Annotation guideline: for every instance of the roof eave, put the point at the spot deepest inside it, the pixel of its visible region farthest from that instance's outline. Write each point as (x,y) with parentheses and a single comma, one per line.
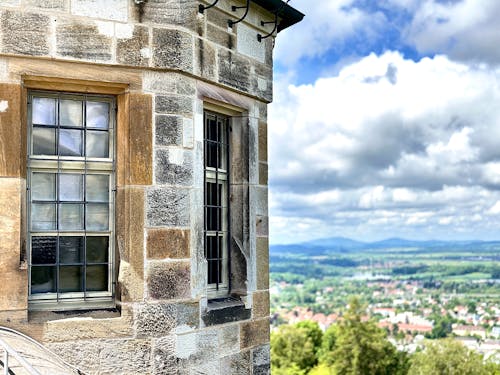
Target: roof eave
(288,15)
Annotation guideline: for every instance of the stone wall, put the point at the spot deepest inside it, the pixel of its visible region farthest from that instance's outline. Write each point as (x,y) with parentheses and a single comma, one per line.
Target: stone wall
(172,61)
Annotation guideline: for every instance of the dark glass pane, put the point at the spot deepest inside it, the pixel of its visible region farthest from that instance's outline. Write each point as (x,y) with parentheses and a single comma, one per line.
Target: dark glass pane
(213,248)
(44,141)
(97,115)
(211,154)
(213,272)
(71,250)
(70,279)
(97,249)
(43,280)
(211,131)
(44,111)
(97,278)
(43,250)
(70,142)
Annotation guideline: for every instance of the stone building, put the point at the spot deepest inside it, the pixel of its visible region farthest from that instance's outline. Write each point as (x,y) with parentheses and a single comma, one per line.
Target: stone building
(133,181)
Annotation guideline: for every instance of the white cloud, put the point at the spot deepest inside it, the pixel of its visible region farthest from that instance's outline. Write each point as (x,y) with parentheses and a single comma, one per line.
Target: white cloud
(388,147)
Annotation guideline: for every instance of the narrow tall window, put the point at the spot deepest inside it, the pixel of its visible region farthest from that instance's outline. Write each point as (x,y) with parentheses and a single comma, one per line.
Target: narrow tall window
(70,197)
(216,202)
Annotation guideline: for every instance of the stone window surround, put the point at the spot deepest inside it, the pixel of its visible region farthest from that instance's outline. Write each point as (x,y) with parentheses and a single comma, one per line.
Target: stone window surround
(130,106)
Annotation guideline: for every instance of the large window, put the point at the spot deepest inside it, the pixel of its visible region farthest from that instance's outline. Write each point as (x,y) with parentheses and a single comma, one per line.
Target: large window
(70,198)
(216,202)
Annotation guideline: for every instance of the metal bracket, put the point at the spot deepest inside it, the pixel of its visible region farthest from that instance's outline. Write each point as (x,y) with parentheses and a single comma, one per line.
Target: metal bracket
(234,8)
(202,7)
(276,13)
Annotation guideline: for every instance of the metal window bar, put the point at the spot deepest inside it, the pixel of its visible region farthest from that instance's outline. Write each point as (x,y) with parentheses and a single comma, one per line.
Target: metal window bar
(9,351)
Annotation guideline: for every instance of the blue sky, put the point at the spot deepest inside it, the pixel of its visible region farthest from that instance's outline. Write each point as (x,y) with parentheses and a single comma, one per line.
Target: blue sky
(386,121)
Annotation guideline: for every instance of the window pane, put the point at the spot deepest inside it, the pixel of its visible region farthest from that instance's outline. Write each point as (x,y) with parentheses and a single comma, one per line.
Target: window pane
(43,250)
(70,187)
(70,279)
(97,144)
(97,278)
(97,216)
(43,187)
(97,188)
(70,113)
(71,250)
(97,249)
(97,115)
(44,111)
(70,142)
(44,141)
(43,216)
(43,280)
(214,274)
(211,154)
(70,216)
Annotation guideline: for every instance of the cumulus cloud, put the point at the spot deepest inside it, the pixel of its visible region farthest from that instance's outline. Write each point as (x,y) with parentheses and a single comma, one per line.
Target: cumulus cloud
(387,147)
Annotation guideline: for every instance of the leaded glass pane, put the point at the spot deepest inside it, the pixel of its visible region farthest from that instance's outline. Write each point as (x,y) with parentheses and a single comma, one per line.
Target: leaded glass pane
(98,115)
(43,250)
(70,142)
(97,216)
(71,113)
(70,279)
(97,188)
(97,249)
(97,144)
(70,187)
(43,279)
(71,249)
(44,141)
(43,187)
(43,216)
(97,278)
(70,217)
(43,111)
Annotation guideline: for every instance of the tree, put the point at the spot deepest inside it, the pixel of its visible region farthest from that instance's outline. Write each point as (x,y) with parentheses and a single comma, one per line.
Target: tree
(449,357)
(314,332)
(362,347)
(293,350)
(328,345)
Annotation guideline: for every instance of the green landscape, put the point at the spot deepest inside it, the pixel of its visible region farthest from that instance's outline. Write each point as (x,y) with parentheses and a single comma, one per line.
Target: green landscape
(410,294)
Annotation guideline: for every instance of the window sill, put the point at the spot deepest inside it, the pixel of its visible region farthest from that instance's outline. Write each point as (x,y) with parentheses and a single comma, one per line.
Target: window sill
(95,313)
(225,310)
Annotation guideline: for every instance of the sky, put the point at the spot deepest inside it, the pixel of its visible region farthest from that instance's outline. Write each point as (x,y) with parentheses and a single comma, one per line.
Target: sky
(386,121)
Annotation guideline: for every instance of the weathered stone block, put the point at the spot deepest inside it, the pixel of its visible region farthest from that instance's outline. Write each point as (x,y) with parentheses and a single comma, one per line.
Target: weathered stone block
(221,37)
(167,243)
(174,104)
(261,360)
(237,364)
(11,2)
(25,33)
(260,304)
(229,338)
(154,320)
(217,17)
(263,174)
(262,226)
(254,333)
(115,10)
(249,45)
(234,70)
(168,207)
(174,167)
(164,360)
(171,12)
(84,40)
(172,49)
(262,81)
(84,354)
(259,195)
(170,83)
(10,131)
(169,280)
(141,139)
(60,5)
(188,133)
(132,45)
(262,259)
(205,59)
(263,141)
(233,313)
(125,357)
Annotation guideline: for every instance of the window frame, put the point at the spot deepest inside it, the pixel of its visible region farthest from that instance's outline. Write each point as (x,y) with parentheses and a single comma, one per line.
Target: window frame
(59,165)
(215,175)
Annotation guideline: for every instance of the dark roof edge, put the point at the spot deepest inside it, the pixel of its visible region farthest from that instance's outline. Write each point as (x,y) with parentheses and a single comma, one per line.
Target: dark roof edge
(289,16)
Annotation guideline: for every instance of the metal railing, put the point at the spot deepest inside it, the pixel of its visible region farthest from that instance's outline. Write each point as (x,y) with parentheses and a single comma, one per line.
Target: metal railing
(9,351)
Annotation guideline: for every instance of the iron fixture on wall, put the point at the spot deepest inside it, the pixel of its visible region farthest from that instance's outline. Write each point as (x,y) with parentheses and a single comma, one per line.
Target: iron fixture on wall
(234,8)
(202,7)
(276,13)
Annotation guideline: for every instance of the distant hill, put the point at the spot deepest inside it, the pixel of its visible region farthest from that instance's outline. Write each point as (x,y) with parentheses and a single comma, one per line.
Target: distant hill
(342,245)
